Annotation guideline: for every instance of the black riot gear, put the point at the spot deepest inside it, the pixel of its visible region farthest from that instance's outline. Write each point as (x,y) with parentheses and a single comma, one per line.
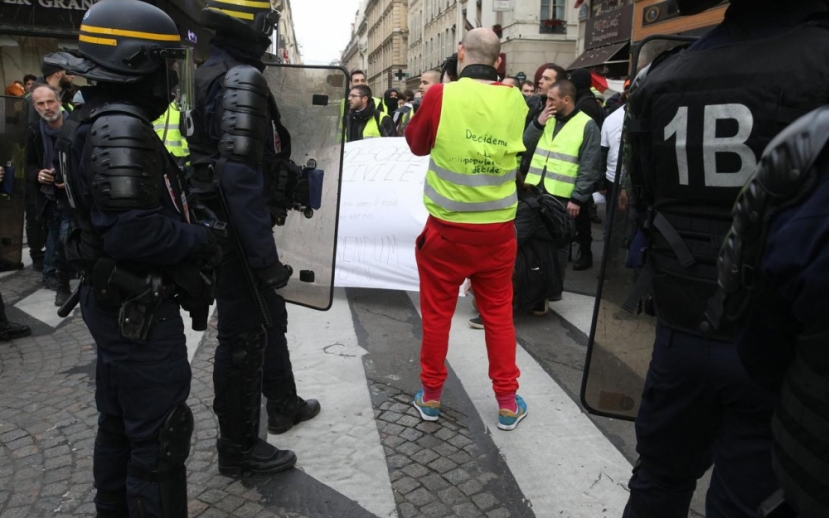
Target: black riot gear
(784,178)
(253,21)
(695,150)
(244,120)
(127,37)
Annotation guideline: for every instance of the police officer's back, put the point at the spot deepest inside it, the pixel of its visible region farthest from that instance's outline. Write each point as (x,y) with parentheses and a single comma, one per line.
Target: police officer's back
(240,158)
(140,257)
(698,124)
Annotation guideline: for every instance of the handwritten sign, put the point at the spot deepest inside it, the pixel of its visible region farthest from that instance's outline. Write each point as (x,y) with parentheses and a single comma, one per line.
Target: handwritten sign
(381,215)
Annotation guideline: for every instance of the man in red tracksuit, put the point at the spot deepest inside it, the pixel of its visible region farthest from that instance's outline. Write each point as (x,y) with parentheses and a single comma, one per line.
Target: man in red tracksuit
(472,129)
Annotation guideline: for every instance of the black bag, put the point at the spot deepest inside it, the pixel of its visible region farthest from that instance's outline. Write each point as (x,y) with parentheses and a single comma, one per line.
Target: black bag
(560,225)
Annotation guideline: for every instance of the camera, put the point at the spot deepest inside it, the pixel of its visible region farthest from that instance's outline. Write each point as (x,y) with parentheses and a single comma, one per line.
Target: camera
(450,68)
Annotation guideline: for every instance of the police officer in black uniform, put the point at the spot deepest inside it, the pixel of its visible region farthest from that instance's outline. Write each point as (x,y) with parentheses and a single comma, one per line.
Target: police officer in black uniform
(239,149)
(773,269)
(698,124)
(141,259)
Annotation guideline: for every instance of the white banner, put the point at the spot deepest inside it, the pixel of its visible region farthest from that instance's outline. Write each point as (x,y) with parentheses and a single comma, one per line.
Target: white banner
(381,215)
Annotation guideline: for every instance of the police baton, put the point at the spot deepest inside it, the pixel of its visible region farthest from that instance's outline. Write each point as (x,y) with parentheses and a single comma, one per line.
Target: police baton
(70,303)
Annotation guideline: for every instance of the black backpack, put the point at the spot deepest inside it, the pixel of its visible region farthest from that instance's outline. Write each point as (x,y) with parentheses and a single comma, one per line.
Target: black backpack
(560,225)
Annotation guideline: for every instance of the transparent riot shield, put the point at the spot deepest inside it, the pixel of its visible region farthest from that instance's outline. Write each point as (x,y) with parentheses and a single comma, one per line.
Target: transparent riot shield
(623,330)
(13,119)
(310,101)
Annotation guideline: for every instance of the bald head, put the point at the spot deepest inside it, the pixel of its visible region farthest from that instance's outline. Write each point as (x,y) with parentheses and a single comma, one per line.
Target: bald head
(479,47)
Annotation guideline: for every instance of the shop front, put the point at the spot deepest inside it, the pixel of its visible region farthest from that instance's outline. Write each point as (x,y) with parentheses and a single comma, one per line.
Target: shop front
(607,39)
(29,29)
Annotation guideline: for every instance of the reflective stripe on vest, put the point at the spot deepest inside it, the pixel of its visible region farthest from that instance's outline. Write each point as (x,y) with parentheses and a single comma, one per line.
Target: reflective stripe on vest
(175,143)
(471,177)
(558,159)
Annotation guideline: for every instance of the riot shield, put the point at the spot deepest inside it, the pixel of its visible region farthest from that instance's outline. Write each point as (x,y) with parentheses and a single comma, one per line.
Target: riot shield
(13,119)
(623,330)
(310,101)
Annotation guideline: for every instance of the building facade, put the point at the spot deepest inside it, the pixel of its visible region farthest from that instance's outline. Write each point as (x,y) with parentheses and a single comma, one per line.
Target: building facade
(387,40)
(285,44)
(355,55)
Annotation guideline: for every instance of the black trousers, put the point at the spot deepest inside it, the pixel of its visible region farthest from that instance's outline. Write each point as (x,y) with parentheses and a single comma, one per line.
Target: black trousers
(583,226)
(35,230)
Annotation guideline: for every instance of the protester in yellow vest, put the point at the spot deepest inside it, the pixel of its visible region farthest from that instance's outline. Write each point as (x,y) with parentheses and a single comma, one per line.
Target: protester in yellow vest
(168,129)
(364,120)
(472,131)
(568,158)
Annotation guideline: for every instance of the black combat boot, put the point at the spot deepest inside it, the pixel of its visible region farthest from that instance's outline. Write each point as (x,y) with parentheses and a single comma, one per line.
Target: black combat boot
(585,259)
(63,291)
(285,412)
(10,330)
(261,458)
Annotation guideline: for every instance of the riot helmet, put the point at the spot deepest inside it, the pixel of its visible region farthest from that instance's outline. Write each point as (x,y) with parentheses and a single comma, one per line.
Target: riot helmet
(249,20)
(129,42)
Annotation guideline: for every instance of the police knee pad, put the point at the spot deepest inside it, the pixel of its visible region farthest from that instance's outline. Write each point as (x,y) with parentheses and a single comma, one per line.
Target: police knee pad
(247,351)
(170,473)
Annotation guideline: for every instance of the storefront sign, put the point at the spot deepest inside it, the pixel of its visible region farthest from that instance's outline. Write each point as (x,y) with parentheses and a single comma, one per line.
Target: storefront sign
(43,16)
(501,5)
(613,27)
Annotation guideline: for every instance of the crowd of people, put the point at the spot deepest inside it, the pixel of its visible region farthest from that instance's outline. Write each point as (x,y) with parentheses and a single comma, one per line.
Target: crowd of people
(514,171)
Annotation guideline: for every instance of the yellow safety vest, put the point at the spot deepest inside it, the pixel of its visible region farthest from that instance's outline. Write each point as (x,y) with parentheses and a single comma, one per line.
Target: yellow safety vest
(558,159)
(174,141)
(371,129)
(471,177)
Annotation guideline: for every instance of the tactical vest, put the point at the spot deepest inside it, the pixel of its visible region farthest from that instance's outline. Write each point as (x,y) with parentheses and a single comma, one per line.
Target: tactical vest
(556,159)
(85,246)
(203,149)
(471,177)
(698,124)
(168,129)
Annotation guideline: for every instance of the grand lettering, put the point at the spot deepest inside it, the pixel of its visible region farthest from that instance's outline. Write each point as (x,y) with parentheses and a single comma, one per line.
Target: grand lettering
(76,5)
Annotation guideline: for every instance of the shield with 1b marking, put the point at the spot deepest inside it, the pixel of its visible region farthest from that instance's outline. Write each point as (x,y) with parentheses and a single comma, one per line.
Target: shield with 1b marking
(310,103)
(623,329)
(13,117)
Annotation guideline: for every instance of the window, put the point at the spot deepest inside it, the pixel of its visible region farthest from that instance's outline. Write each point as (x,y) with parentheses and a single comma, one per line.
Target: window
(552,18)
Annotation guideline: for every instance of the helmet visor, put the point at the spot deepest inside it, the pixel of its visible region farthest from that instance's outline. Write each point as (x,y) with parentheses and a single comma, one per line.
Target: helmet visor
(180,72)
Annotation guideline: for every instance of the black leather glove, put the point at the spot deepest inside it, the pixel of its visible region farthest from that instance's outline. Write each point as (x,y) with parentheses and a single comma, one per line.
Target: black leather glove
(302,191)
(211,253)
(275,276)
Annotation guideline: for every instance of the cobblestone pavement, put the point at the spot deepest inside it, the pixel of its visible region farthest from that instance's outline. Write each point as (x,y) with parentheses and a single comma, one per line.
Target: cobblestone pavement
(48,422)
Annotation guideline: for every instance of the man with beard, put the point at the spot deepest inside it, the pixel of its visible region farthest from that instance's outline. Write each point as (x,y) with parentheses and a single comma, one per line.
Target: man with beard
(43,168)
(364,120)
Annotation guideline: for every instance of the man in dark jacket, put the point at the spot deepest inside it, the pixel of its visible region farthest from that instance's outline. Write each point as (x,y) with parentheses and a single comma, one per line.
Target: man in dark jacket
(535,278)
(585,98)
(43,170)
(364,119)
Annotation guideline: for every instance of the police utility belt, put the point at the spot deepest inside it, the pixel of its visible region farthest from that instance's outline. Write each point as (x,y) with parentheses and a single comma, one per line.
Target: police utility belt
(139,296)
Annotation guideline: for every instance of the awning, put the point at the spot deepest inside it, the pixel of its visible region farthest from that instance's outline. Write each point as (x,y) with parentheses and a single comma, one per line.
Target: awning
(598,56)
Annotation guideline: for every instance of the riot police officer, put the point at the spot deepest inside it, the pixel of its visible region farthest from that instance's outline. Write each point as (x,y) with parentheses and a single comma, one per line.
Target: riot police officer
(698,124)
(773,272)
(239,148)
(141,259)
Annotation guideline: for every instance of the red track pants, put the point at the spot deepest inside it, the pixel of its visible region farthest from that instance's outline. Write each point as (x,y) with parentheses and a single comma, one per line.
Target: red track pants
(443,265)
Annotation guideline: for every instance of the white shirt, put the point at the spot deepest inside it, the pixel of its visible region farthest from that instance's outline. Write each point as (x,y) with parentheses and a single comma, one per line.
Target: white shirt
(611,138)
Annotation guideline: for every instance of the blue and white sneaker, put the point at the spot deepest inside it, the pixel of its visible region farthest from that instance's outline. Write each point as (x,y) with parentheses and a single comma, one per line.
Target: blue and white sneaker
(429,410)
(508,420)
